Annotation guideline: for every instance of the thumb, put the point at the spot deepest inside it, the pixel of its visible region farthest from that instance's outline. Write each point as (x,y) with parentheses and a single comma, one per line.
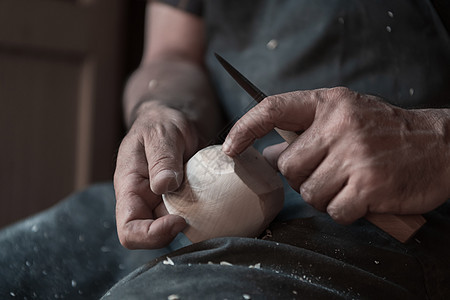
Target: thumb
(165,162)
(165,181)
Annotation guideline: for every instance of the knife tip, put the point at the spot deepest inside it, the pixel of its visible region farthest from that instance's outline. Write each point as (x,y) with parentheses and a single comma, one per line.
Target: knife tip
(220,58)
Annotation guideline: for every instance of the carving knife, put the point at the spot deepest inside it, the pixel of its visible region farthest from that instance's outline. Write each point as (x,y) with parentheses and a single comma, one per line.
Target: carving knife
(401,227)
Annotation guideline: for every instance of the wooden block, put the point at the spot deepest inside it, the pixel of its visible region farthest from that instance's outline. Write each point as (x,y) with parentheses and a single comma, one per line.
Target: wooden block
(224,196)
(401,227)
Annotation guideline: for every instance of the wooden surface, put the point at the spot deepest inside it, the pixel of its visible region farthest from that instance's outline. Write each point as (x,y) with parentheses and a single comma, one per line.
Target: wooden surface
(401,227)
(223,196)
(60,90)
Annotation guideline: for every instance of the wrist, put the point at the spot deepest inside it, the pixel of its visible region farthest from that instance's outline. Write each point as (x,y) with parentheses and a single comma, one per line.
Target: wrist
(445,121)
(143,107)
(439,121)
(155,116)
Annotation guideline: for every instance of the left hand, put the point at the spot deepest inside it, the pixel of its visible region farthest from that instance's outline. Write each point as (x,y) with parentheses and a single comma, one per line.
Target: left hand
(357,154)
(150,163)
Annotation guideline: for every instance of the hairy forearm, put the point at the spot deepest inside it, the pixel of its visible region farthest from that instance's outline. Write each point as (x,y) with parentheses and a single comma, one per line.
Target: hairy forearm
(178,84)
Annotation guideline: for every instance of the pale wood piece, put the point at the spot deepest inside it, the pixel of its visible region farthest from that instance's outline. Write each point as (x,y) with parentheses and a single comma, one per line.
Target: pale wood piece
(224,196)
(401,227)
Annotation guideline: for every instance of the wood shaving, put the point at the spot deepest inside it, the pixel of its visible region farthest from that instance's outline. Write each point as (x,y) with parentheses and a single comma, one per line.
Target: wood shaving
(268,235)
(168,261)
(255,266)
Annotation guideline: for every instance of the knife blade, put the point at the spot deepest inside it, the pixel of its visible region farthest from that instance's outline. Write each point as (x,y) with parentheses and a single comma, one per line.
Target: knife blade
(249,87)
(254,92)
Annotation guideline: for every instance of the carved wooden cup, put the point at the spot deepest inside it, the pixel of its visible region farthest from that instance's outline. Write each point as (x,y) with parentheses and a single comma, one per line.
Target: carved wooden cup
(224,196)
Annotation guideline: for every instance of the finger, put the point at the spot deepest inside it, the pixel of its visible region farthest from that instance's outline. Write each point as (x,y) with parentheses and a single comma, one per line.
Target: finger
(136,226)
(160,210)
(164,150)
(151,234)
(302,157)
(292,111)
(346,207)
(271,153)
(324,183)
(135,202)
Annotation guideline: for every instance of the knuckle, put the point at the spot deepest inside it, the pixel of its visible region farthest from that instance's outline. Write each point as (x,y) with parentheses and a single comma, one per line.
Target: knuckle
(359,159)
(273,108)
(160,125)
(284,166)
(292,167)
(124,242)
(336,216)
(154,131)
(342,109)
(274,103)
(341,94)
(124,238)
(340,91)
(127,244)
(161,161)
(307,194)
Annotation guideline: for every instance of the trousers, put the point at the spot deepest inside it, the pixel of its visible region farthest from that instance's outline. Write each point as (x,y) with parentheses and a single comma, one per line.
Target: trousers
(71,251)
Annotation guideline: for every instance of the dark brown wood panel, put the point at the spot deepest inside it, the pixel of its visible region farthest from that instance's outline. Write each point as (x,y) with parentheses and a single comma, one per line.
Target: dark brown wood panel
(60,88)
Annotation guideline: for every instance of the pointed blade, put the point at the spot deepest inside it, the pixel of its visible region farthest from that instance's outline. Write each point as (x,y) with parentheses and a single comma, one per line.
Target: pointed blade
(249,87)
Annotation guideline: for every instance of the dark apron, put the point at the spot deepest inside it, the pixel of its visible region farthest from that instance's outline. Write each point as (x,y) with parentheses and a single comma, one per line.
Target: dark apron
(398,50)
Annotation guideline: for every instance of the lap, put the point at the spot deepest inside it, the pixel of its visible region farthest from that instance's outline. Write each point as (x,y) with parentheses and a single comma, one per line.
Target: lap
(72,251)
(305,258)
(68,251)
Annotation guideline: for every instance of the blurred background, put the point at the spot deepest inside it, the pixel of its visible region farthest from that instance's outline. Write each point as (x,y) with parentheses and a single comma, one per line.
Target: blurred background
(63,65)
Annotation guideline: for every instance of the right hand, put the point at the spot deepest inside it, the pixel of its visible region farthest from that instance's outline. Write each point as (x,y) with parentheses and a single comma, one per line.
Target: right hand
(356,155)
(150,163)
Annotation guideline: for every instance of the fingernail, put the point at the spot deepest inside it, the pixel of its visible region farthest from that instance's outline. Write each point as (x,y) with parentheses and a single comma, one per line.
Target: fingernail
(165,181)
(226,146)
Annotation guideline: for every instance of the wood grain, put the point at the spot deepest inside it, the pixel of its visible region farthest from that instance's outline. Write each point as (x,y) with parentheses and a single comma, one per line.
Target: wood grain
(224,196)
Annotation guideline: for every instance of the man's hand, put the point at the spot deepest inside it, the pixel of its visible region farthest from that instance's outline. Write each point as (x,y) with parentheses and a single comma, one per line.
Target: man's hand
(357,154)
(150,163)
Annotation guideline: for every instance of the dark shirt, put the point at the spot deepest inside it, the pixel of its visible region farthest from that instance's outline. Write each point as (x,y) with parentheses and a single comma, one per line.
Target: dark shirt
(191,6)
